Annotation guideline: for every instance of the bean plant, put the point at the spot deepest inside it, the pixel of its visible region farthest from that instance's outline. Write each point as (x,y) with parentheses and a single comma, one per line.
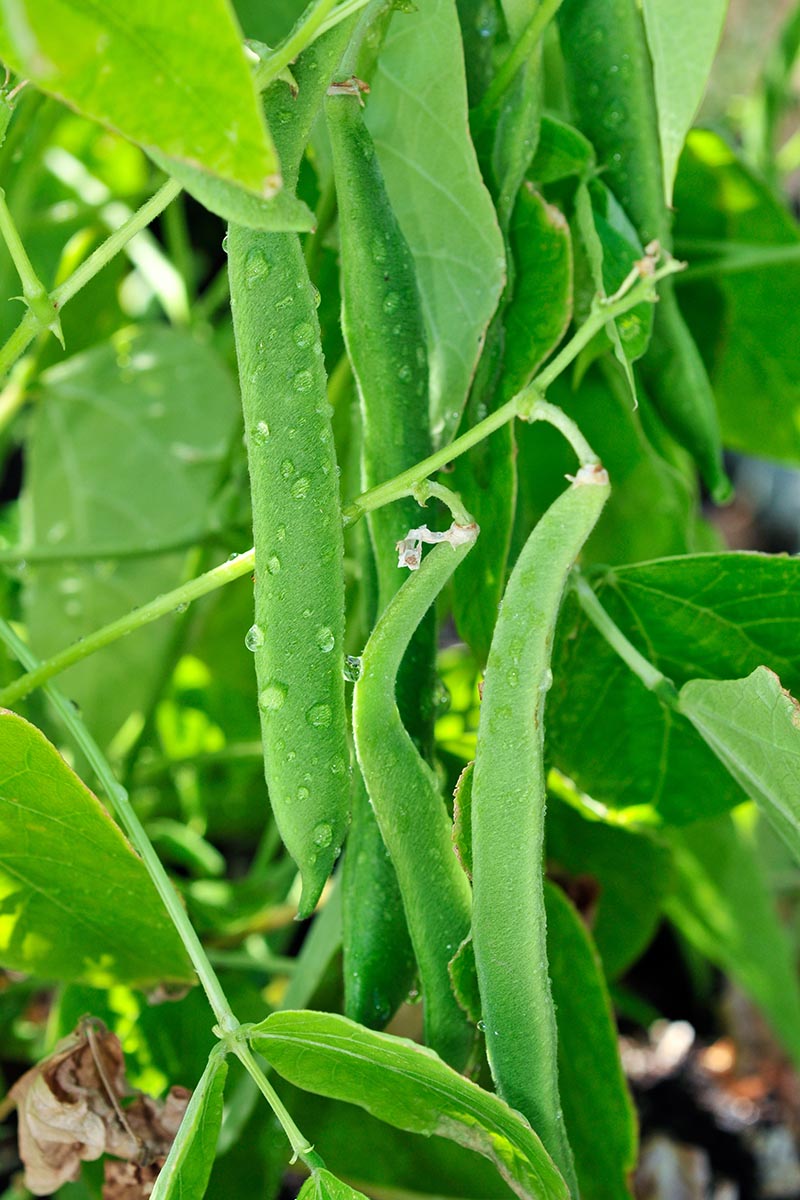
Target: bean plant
(381,376)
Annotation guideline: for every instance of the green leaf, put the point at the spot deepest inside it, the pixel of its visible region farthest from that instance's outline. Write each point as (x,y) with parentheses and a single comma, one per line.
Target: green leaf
(77,903)
(417,114)
(127,449)
(721,903)
(531,327)
(597,1106)
(172,77)
(683,38)
(188,1167)
(408,1086)
(278,214)
(706,616)
(631,870)
(753,727)
(385,1160)
(562,153)
(540,307)
(324,1186)
(744,251)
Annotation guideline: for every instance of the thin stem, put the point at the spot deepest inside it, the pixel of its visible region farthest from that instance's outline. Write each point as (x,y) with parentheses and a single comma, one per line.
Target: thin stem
(347,9)
(136,619)
(650,676)
(118,799)
(29,326)
(300,1144)
(528,404)
(520,54)
(423,491)
(733,258)
(303,34)
(31,283)
(104,253)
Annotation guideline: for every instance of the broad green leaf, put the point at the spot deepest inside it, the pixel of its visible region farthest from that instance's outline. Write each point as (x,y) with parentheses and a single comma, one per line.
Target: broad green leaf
(741,295)
(380,1158)
(703,616)
(683,38)
(721,903)
(417,114)
(77,903)
(143,70)
(753,727)
(597,1106)
(408,1086)
(126,452)
(324,1186)
(632,873)
(188,1167)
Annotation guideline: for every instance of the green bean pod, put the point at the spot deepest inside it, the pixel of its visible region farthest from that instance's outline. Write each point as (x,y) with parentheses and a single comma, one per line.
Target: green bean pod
(298,635)
(610,80)
(385,336)
(413,820)
(383,328)
(508,808)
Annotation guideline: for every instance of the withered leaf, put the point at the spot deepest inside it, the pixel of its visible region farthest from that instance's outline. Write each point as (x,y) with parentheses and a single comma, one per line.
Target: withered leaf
(70,1110)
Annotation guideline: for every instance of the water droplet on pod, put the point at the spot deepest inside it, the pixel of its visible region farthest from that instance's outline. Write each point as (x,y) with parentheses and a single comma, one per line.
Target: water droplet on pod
(254,638)
(272,697)
(319,716)
(325,639)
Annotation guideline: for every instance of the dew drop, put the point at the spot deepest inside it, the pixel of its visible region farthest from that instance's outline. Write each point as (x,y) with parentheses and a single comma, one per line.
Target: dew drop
(273,564)
(181,608)
(482,1026)
(272,697)
(303,334)
(391,302)
(317,296)
(261,433)
(225,244)
(378,250)
(300,487)
(325,639)
(303,381)
(302,794)
(512,677)
(337,765)
(287,468)
(279,305)
(256,267)
(322,835)
(352,668)
(254,638)
(319,716)
(405,373)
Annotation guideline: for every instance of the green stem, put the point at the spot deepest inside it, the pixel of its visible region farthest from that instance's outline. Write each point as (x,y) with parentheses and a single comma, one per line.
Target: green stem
(733,258)
(136,619)
(29,326)
(303,34)
(347,9)
(301,1146)
(33,290)
(519,55)
(118,799)
(650,676)
(423,492)
(527,404)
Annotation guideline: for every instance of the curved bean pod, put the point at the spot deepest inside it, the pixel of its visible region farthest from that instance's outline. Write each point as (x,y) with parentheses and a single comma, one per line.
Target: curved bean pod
(385,336)
(413,820)
(610,79)
(508,807)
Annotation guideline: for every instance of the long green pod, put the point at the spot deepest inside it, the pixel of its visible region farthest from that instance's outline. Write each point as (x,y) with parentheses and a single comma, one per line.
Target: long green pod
(610,79)
(404,794)
(298,634)
(384,332)
(508,806)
